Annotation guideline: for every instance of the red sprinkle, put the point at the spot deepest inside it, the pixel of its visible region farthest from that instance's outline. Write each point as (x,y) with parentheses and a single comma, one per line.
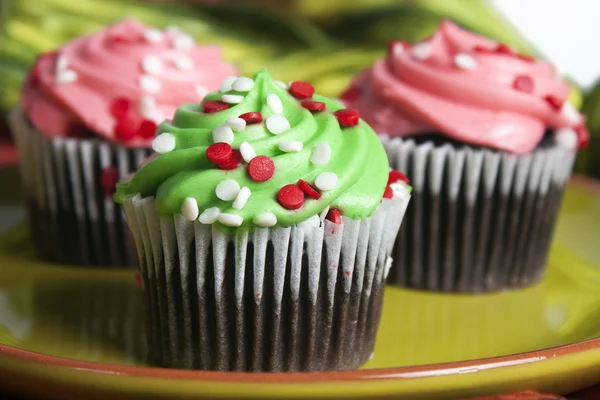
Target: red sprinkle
(554,102)
(120,107)
(34,75)
(290,196)
(504,49)
(234,161)
(313,105)
(308,190)
(334,216)
(302,90)
(108,179)
(219,153)
(396,176)
(147,129)
(481,49)
(388,193)
(215,106)
(351,94)
(347,117)
(526,57)
(126,128)
(523,83)
(583,135)
(261,168)
(251,117)
(139,280)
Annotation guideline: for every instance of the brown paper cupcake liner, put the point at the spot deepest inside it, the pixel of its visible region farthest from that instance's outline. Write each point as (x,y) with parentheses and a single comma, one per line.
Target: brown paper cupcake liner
(71,218)
(480,220)
(302,298)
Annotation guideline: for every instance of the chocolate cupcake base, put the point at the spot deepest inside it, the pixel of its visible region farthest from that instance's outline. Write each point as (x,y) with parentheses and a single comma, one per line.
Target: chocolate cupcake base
(303,298)
(480,220)
(72,217)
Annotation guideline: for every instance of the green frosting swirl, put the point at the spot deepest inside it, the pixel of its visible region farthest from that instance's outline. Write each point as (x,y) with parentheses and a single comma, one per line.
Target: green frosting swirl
(357,157)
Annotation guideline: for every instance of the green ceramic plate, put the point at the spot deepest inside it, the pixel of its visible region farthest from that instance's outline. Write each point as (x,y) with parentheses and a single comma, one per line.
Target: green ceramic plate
(79,333)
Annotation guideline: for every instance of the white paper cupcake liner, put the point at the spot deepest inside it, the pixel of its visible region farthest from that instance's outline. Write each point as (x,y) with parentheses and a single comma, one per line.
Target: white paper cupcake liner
(301,298)
(480,220)
(72,220)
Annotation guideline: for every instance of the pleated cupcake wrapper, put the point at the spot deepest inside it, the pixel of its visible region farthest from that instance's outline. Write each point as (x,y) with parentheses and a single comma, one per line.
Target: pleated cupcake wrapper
(480,220)
(72,220)
(301,298)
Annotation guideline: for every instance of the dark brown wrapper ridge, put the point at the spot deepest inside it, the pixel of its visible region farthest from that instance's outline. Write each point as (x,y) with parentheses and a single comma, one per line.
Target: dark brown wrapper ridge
(479,220)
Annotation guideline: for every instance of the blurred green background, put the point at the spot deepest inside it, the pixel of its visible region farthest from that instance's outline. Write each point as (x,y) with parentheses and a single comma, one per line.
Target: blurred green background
(323,41)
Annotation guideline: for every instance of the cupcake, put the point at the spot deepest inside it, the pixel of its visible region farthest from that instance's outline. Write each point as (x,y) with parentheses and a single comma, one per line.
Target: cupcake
(488,138)
(87,116)
(264,227)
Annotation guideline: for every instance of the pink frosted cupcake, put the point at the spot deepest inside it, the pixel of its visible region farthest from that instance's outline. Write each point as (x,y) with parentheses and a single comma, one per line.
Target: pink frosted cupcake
(87,117)
(488,138)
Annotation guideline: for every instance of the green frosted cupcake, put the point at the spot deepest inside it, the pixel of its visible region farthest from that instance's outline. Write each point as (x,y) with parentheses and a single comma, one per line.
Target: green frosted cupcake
(263,228)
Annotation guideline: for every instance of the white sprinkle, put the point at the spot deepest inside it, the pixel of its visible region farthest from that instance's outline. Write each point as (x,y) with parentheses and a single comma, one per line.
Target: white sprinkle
(183,63)
(386,268)
(570,113)
(281,84)
(321,154)
(465,61)
(201,91)
(157,117)
(209,216)
(237,124)
(247,151)
(290,147)
(277,124)
(266,219)
(243,84)
(241,198)
(323,214)
(399,188)
(222,133)
(147,106)
(230,219)
(326,181)
(61,63)
(153,35)
(567,138)
(66,76)
(189,208)
(152,65)
(163,143)
(421,51)
(173,29)
(183,41)
(227,190)
(274,103)
(232,98)
(314,221)
(397,49)
(227,83)
(150,84)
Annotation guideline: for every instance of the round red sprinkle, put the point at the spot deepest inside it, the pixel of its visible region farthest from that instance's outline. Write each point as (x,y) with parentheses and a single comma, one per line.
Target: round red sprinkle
(308,190)
(120,107)
(347,117)
(215,106)
(234,161)
(396,176)
(313,105)
(523,83)
(481,49)
(219,153)
(351,94)
(583,135)
(108,179)
(251,117)
(147,129)
(526,57)
(554,102)
(334,216)
(388,193)
(291,197)
(126,128)
(504,49)
(302,90)
(261,168)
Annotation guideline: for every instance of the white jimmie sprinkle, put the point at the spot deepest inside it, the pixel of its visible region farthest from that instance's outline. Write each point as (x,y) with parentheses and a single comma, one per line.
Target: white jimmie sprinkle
(209,216)
(570,113)
(277,124)
(321,154)
(232,98)
(421,51)
(243,84)
(465,61)
(290,147)
(227,190)
(151,64)
(227,83)
(247,151)
(237,124)
(163,143)
(281,84)
(222,133)
(153,35)
(230,219)
(266,219)
(189,208)
(201,91)
(274,103)
(326,181)
(183,63)
(150,84)
(242,198)
(66,76)
(183,41)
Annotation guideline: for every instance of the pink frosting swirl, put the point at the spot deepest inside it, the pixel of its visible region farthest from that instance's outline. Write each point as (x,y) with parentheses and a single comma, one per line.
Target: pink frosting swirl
(466,87)
(115,81)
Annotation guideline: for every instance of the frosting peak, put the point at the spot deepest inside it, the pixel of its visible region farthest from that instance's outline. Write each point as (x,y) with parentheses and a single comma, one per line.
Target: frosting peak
(466,87)
(127,73)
